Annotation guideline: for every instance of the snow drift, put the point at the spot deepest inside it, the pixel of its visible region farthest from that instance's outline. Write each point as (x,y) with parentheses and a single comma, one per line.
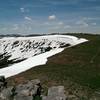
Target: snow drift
(35,50)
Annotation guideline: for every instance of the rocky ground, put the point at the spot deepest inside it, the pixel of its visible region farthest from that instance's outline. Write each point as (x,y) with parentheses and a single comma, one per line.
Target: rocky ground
(33,90)
(29,90)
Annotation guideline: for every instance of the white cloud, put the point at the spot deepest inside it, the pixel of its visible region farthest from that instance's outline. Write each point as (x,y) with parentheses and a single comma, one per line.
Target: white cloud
(22,10)
(55,27)
(52,17)
(60,23)
(27,18)
(85,24)
(4,28)
(15,27)
(82,23)
(91,18)
(29,28)
(53,23)
(94,24)
(46,23)
(67,26)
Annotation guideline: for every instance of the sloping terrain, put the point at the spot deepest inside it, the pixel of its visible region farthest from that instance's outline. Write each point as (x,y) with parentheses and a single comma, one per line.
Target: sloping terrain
(77,68)
(15,49)
(33,50)
(26,47)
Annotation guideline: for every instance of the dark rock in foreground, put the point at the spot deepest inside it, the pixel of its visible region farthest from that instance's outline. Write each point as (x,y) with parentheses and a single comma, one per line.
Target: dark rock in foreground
(55,93)
(31,90)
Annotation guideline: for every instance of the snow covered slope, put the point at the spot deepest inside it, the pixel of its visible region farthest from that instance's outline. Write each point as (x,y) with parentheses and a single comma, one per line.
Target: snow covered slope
(35,50)
(25,47)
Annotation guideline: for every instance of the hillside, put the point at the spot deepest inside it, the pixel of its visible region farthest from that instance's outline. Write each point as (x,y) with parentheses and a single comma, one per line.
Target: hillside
(77,68)
(18,54)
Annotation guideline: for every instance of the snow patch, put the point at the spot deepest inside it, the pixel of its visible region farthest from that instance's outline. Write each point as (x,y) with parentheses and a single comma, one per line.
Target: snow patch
(29,63)
(32,60)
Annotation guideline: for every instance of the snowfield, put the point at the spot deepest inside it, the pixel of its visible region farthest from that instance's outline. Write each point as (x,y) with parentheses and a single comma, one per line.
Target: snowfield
(35,50)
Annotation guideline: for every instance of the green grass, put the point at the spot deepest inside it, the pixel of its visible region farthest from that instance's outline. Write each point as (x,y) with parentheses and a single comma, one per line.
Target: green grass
(75,67)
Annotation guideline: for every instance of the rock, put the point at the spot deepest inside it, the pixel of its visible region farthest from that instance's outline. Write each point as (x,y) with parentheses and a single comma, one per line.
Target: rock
(3,83)
(24,92)
(36,81)
(28,91)
(31,87)
(2,79)
(6,94)
(21,97)
(96,95)
(55,93)
(24,96)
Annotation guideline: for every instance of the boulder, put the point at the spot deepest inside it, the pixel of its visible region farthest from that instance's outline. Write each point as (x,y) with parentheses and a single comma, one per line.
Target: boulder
(6,94)
(2,78)
(55,93)
(28,91)
(23,97)
(3,83)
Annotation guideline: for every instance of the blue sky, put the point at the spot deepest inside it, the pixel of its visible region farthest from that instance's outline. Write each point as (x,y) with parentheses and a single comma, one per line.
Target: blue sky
(47,16)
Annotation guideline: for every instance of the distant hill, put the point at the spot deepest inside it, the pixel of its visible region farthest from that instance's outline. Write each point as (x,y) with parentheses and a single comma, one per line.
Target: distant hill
(19,35)
(32,35)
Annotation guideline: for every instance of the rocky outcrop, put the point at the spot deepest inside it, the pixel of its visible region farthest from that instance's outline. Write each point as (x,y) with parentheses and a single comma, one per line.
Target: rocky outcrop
(30,90)
(55,93)
(27,91)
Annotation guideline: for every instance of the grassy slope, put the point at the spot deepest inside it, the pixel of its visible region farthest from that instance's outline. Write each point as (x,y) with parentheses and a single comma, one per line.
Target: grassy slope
(75,67)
